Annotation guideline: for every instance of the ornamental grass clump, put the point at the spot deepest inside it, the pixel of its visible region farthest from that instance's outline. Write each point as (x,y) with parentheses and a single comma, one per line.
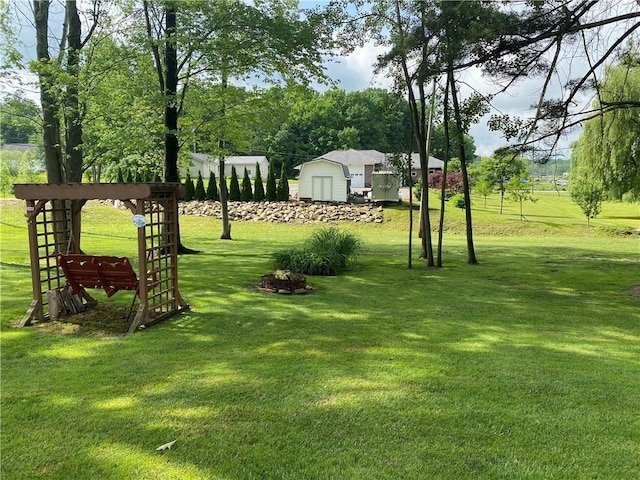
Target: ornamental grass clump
(327,251)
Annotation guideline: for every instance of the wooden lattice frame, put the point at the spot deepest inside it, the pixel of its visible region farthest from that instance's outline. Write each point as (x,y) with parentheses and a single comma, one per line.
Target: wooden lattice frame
(54,211)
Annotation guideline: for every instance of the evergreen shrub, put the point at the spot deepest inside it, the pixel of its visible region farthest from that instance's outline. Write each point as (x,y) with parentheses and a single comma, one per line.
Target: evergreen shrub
(199,193)
(234,186)
(246,195)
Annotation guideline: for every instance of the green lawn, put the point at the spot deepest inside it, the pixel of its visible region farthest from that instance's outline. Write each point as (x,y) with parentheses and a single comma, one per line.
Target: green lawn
(526,366)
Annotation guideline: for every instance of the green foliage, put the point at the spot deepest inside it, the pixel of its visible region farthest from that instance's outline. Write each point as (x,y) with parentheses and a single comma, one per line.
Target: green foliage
(199,193)
(20,120)
(498,170)
(272,192)
(282,191)
(234,186)
(189,189)
(588,195)
(119,175)
(519,191)
(316,123)
(483,187)
(246,195)
(327,251)
(212,188)
(608,151)
(258,188)
(457,201)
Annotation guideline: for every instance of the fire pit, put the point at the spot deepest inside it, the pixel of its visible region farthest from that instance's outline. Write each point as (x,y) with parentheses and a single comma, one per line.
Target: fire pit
(283,281)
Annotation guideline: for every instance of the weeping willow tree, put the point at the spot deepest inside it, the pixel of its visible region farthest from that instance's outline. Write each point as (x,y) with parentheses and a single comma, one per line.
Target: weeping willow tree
(608,151)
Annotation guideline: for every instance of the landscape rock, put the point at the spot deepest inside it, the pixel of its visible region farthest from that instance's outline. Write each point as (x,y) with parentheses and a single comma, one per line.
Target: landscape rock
(285,212)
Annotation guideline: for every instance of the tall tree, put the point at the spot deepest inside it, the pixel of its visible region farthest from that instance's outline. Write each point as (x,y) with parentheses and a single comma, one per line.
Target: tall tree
(496,171)
(231,40)
(20,119)
(608,151)
(61,86)
(50,109)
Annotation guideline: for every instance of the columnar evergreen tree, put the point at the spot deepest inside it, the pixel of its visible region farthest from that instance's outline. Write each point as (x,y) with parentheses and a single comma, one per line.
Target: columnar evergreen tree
(199,193)
(282,191)
(246,195)
(234,186)
(272,192)
(258,188)
(212,188)
(189,189)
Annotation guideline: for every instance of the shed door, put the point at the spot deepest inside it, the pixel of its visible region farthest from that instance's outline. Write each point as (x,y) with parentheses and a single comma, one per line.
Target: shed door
(322,188)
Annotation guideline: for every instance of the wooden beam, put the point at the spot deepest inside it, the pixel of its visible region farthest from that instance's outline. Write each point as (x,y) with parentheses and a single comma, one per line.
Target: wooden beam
(91,191)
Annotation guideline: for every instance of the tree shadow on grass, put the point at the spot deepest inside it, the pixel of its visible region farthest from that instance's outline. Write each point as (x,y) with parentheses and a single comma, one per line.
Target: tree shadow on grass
(452,373)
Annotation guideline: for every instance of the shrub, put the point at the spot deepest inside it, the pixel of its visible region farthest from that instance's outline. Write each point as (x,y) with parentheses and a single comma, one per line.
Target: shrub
(234,186)
(258,194)
(283,186)
(457,200)
(212,188)
(246,195)
(189,189)
(271,192)
(454,183)
(326,252)
(199,193)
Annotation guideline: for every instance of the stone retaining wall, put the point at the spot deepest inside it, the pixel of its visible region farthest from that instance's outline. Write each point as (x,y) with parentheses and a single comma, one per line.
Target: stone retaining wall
(285,212)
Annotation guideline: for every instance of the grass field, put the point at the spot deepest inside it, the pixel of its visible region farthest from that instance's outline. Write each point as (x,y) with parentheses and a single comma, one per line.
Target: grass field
(526,366)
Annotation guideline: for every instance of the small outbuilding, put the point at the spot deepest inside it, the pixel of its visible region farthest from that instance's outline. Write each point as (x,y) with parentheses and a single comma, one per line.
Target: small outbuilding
(323,180)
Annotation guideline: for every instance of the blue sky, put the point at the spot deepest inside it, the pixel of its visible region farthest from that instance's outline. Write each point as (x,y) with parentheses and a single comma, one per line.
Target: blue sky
(355,72)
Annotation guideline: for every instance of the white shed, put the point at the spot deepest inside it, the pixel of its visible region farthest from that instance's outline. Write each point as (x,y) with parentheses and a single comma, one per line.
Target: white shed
(324,180)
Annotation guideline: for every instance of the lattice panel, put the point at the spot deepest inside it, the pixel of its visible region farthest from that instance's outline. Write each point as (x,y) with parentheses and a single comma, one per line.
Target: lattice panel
(159,237)
(53,226)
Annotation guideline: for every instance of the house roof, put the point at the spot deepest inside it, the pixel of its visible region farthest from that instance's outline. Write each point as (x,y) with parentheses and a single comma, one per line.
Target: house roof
(345,169)
(355,157)
(17,147)
(231,160)
(433,162)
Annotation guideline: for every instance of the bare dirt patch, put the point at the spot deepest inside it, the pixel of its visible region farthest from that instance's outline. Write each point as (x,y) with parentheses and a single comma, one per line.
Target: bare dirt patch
(101,320)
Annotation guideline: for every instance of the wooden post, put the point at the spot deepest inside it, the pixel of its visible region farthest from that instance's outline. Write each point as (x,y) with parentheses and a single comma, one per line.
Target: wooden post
(142,314)
(35,311)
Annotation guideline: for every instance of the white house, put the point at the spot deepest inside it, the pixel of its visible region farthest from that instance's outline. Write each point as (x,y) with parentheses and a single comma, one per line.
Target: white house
(361,164)
(324,180)
(206,164)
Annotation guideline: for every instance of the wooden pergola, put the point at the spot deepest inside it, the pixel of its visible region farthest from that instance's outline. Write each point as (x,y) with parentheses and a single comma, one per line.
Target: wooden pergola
(54,221)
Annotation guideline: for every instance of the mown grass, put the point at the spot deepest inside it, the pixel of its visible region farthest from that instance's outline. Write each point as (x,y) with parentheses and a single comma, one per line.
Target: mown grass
(526,366)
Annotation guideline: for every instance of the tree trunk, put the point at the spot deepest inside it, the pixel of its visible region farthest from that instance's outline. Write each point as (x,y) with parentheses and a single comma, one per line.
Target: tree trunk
(73,133)
(447,143)
(50,118)
(171,90)
(224,196)
(226,226)
(171,108)
(471,254)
